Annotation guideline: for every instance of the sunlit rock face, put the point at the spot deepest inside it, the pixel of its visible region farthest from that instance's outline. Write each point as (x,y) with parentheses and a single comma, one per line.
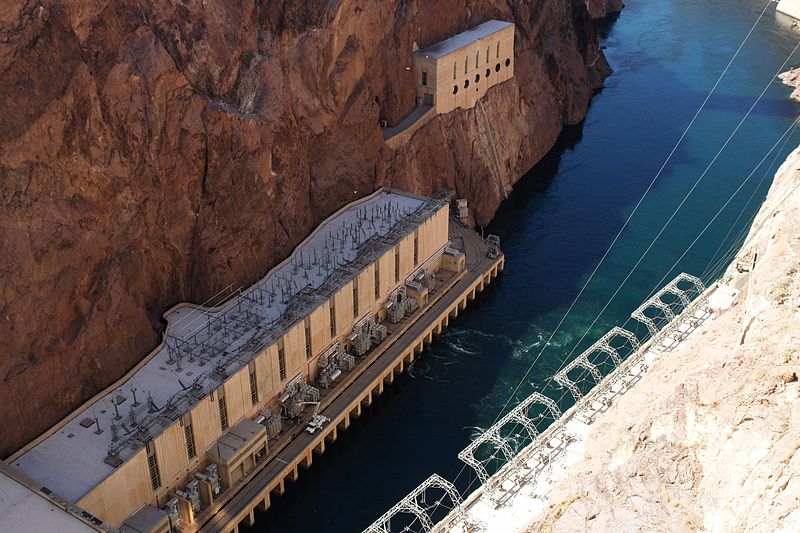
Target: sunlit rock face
(709,439)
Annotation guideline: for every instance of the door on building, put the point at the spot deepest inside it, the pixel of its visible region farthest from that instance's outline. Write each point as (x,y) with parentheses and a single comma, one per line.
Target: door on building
(427,99)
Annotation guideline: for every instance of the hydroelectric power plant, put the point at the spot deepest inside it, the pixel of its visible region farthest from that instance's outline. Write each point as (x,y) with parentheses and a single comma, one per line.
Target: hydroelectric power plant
(238,396)
(635,367)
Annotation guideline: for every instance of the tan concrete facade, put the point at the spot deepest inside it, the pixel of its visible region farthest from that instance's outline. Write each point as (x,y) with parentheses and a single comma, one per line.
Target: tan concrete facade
(458,71)
(273,480)
(129,487)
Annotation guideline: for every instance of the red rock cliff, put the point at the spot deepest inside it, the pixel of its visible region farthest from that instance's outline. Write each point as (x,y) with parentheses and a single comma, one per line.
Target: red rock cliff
(602,8)
(158,151)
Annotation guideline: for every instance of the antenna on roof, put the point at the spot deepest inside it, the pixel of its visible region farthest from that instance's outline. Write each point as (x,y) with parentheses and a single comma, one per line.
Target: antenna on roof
(173,350)
(151,405)
(98,431)
(191,351)
(116,408)
(133,391)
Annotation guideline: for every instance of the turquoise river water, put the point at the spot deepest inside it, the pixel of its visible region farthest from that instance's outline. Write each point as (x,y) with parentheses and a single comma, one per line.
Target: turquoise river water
(556,226)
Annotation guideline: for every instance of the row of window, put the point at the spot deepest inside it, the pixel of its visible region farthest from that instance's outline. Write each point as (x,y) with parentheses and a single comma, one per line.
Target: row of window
(188,433)
(477,60)
(377,288)
(478,77)
(466,63)
(356,310)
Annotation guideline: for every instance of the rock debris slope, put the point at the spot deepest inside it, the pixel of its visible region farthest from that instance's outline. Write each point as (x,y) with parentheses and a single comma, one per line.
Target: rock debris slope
(792,79)
(709,439)
(158,151)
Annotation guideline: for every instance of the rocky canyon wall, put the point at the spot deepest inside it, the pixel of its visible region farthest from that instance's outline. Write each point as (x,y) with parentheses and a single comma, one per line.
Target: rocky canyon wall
(160,151)
(709,439)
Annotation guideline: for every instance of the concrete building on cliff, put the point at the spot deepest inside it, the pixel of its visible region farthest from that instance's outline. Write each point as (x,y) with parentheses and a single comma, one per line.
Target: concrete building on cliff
(200,412)
(458,71)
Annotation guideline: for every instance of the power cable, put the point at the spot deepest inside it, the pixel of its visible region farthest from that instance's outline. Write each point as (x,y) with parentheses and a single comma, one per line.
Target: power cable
(683,201)
(636,208)
(625,224)
(782,140)
(767,171)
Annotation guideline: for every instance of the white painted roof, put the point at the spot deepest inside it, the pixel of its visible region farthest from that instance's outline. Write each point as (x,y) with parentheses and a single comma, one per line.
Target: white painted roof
(22,509)
(71,460)
(442,48)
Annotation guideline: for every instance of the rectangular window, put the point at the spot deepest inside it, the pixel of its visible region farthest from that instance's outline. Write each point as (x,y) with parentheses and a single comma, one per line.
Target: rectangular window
(333,318)
(397,263)
(251,369)
(487,54)
(466,62)
(477,58)
(281,359)
(377,281)
(355,298)
(498,49)
(223,409)
(307,327)
(152,466)
(455,69)
(188,433)
(424,78)
(416,247)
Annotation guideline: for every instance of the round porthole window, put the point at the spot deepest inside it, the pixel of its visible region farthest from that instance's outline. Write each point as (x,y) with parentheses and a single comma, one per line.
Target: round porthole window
(488,71)
(477,78)
(497,68)
(466,83)
(508,62)
(455,89)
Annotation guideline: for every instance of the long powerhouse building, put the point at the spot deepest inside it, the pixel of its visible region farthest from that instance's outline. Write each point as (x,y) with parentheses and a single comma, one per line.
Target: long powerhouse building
(132,456)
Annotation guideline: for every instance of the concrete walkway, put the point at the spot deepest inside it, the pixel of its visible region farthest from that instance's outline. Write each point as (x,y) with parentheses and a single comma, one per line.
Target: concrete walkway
(407,122)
